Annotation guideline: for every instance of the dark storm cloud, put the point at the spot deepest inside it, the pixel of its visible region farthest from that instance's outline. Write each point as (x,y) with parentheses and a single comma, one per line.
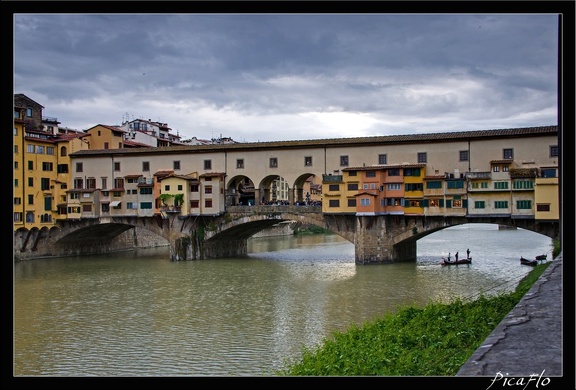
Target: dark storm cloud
(270,77)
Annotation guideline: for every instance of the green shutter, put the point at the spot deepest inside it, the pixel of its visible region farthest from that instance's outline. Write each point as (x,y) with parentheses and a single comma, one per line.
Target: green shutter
(448,203)
(441,203)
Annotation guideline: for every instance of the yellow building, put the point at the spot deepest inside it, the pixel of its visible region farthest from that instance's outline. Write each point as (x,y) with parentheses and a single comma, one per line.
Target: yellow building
(546,194)
(41,166)
(105,137)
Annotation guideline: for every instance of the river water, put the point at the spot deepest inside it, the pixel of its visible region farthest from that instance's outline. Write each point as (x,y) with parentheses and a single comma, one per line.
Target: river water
(140,314)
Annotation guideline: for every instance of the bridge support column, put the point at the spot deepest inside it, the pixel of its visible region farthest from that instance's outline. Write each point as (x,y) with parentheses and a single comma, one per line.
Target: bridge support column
(375,244)
(190,248)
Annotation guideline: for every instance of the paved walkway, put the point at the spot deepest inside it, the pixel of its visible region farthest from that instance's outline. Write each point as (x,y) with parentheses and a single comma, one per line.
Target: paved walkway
(529,339)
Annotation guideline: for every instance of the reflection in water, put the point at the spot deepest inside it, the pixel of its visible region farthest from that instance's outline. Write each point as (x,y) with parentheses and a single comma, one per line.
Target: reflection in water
(141,314)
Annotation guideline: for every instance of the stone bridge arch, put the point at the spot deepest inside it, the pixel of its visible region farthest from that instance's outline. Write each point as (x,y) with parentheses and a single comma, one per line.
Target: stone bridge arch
(92,236)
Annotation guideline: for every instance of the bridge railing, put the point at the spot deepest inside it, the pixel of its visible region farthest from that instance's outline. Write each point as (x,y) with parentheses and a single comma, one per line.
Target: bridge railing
(268,209)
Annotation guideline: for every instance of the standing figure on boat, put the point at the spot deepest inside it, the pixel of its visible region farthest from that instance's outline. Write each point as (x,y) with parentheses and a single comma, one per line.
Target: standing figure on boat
(456,256)
(468,253)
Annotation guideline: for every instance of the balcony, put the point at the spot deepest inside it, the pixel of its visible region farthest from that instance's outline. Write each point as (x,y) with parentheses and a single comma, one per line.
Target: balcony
(478,175)
(331,178)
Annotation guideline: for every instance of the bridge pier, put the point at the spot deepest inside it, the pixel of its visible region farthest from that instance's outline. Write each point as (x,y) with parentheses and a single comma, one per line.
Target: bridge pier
(191,248)
(382,240)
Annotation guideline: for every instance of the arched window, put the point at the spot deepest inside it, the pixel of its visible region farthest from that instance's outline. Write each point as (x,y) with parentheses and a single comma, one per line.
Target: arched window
(63,151)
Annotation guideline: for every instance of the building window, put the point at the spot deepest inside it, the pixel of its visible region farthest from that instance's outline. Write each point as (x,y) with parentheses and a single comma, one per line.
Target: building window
(352,186)
(194,187)
(273,162)
(508,154)
(479,204)
(106,145)
(30,165)
(463,155)
(208,203)
(382,159)
(308,161)
(30,182)
(146,191)
(207,164)
(29,112)
(352,202)
(44,184)
(176,165)
(50,150)
(30,199)
(412,172)
(365,201)
(334,203)
(543,207)
(343,161)
(146,205)
(194,204)
(422,157)
(496,168)
(334,187)
(501,204)
(117,166)
(79,167)
(167,187)
(39,149)
(501,185)
(145,166)
(240,163)
(394,172)
(179,187)
(554,151)
(523,205)
(548,172)
(47,166)
(208,189)
(436,184)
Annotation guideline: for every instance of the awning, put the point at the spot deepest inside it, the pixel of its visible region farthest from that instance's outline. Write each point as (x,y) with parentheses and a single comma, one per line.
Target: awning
(115,203)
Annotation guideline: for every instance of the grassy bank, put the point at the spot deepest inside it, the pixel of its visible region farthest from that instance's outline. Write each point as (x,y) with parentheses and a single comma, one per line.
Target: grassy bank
(435,340)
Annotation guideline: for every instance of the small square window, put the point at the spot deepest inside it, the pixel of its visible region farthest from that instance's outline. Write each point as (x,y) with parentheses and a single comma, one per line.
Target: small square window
(343,161)
(422,157)
(273,162)
(508,154)
(554,151)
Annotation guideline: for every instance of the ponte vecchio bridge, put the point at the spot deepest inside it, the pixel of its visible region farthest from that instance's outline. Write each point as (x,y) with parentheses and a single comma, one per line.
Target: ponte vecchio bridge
(214,224)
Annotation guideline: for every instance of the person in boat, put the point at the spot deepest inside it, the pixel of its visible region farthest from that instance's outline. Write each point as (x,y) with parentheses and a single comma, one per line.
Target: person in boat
(449,256)
(456,256)
(468,253)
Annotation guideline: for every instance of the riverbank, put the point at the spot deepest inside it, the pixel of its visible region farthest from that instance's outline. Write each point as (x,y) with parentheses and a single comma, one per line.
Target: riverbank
(439,339)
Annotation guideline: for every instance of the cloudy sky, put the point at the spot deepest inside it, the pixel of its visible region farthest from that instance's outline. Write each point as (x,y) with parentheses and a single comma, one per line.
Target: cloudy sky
(270,77)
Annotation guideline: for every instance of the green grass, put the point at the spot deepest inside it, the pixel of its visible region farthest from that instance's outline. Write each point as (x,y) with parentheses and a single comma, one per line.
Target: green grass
(435,340)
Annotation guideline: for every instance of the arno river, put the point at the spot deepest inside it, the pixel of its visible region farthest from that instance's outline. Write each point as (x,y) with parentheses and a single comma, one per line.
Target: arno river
(139,314)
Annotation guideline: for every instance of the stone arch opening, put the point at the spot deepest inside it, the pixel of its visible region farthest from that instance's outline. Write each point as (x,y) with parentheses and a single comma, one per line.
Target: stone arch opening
(240,191)
(306,191)
(274,189)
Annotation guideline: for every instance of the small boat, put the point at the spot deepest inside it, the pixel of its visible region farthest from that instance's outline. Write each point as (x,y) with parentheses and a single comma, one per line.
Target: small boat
(541,257)
(445,261)
(528,262)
